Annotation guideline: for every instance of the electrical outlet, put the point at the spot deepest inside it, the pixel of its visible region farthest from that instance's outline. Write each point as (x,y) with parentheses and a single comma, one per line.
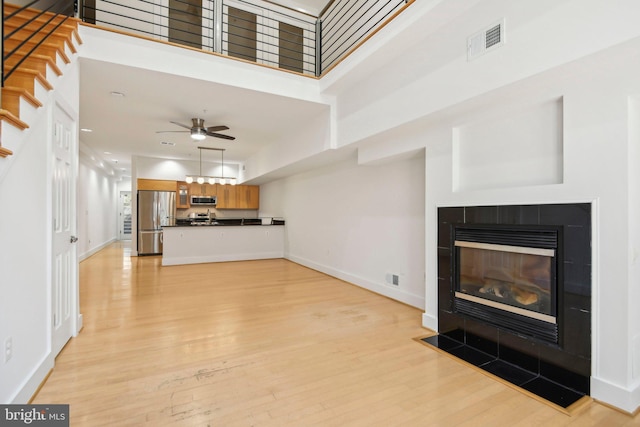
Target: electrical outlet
(8,349)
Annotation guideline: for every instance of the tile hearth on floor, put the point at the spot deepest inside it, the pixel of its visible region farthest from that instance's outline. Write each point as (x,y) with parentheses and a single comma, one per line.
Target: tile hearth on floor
(532,382)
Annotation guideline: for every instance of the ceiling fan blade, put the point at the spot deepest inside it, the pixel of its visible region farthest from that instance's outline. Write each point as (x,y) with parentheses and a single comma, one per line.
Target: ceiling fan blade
(219,135)
(172,131)
(180,124)
(217,128)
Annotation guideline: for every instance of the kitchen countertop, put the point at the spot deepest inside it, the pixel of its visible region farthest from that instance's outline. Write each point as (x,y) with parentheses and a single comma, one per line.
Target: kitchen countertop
(225,222)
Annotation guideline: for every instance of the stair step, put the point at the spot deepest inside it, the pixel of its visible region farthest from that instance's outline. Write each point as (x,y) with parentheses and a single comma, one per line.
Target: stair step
(17,93)
(11,97)
(7,116)
(16,31)
(65,40)
(26,79)
(19,40)
(34,62)
(47,19)
(4,152)
(34,15)
(47,49)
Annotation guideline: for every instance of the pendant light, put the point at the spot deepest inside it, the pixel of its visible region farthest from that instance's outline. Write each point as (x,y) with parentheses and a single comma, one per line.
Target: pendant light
(201,179)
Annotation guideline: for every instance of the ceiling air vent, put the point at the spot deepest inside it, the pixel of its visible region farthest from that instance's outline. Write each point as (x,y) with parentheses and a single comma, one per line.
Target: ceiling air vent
(485,40)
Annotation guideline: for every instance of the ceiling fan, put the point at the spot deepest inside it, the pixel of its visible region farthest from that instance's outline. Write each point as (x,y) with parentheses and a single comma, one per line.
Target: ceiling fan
(199,132)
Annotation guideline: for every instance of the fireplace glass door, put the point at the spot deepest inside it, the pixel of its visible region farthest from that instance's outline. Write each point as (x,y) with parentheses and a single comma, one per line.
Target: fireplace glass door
(516,279)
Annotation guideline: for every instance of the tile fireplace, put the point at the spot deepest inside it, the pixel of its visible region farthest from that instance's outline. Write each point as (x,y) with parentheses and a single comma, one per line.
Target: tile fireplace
(514,294)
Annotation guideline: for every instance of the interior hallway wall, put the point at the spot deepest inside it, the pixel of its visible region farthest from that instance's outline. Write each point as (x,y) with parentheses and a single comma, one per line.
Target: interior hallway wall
(97,208)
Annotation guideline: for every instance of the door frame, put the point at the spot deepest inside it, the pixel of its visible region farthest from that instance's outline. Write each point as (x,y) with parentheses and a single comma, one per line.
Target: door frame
(76,318)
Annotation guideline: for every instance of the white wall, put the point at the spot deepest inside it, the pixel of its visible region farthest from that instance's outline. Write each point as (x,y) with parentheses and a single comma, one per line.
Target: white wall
(24,252)
(25,245)
(425,92)
(97,208)
(598,166)
(357,223)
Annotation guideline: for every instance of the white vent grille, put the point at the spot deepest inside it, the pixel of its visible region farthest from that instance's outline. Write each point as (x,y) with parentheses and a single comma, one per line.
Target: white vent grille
(485,40)
(493,36)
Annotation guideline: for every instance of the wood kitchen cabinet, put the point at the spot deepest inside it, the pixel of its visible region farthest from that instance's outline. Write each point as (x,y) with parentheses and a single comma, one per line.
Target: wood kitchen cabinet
(183,195)
(226,196)
(202,189)
(156,184)
(247,197)
(238,196)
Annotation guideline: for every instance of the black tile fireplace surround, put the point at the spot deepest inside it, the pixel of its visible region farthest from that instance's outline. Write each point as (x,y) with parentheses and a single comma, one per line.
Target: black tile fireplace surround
(558,371)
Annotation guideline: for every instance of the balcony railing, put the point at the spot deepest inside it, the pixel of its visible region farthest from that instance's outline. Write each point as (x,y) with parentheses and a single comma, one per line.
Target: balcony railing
(252,30)
(347,23)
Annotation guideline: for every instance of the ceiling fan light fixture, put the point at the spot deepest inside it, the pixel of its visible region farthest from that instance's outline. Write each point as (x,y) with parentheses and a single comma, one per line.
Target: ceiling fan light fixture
(198,134)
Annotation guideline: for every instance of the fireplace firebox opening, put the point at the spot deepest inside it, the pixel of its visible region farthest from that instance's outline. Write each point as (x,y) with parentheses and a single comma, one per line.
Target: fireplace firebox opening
(508,277)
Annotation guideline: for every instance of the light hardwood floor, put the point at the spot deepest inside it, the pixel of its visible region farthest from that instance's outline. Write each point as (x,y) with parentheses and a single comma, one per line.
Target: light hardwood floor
(267,343)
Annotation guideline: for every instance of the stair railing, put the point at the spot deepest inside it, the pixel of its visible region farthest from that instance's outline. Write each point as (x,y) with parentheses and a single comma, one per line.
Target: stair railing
(58,9)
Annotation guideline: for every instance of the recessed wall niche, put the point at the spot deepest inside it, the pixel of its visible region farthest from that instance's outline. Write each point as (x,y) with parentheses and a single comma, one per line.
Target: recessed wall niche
(518,148)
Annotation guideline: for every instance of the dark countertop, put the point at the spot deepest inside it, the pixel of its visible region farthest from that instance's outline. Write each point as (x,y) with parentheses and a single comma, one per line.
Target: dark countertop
(224,222)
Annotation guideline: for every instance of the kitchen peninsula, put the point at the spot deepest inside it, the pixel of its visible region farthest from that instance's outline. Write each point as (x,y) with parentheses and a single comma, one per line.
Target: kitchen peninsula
(223,240)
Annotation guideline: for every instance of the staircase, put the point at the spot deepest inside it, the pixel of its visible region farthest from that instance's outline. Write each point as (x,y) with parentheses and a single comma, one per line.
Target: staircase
(27,74)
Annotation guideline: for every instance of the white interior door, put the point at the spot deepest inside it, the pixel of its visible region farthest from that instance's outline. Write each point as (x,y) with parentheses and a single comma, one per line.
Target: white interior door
(65,262)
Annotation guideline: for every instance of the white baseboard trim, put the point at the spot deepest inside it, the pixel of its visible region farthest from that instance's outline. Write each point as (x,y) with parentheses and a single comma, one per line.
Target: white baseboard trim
(79,324)
(393,293)
(430,322)
(221,258)
(95,250)
(627,400)
(33,382)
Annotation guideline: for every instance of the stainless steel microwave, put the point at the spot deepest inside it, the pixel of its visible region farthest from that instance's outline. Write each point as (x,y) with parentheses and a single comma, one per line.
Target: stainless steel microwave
(204,200)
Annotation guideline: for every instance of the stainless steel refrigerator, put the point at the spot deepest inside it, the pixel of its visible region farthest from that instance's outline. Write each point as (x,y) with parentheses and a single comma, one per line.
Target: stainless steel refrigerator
(155,210)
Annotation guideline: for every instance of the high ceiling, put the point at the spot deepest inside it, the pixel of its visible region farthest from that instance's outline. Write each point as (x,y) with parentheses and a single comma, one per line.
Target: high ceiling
(127,125)
(122,126)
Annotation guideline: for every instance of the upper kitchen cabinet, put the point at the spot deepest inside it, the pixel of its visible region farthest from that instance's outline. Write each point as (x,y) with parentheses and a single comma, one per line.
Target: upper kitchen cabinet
(156,185)
(238,197)
(226,196)
(247,197)
(205,189)
(183,195)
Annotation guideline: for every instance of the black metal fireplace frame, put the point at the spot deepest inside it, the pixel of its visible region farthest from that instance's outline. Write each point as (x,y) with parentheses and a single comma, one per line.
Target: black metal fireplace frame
(532,236)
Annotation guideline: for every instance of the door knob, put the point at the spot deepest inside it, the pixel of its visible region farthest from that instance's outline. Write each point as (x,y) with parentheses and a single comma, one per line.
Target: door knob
(74,239)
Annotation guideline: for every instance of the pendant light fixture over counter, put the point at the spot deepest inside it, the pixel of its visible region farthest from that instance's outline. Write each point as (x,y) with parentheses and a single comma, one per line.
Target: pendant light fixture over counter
(201,179)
